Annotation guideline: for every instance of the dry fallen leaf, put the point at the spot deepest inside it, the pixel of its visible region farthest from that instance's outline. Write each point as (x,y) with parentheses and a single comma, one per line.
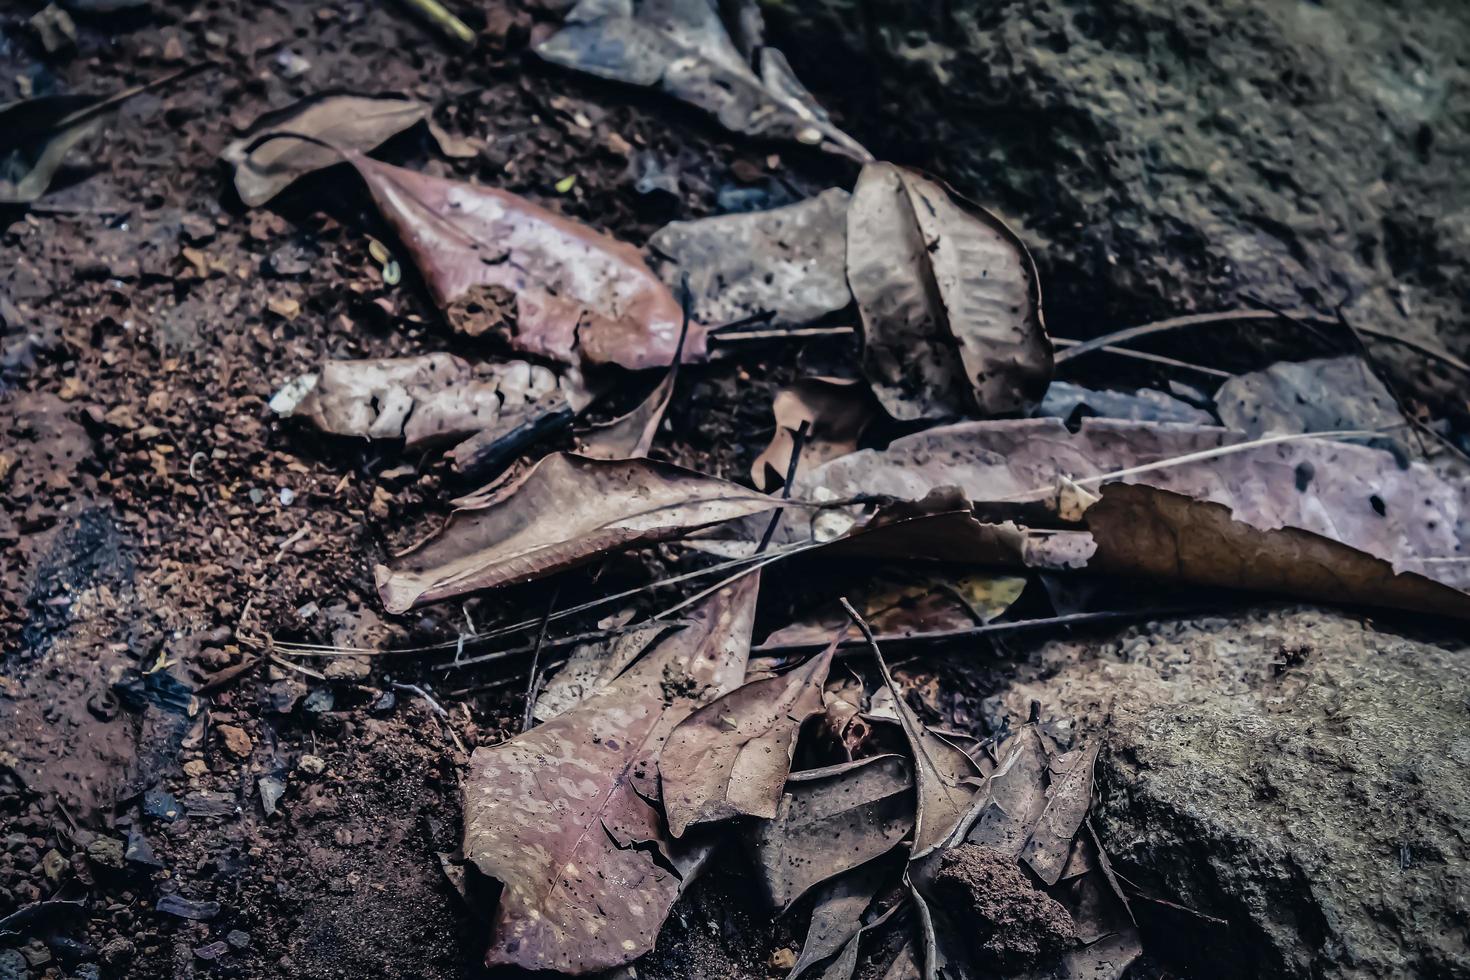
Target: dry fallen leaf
(683,47)
(949,298)
(1323,395)
(836,410)
(830,821)
(785,266)
(566,291)
(565,816)
(902,601)
(346,123)
(944,775)
(433,397)
(566,510)
(731,757)
(837,912)
(592,666)
(1144,530)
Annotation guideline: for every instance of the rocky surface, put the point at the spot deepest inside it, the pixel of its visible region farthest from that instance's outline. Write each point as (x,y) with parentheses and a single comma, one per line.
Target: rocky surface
(1169,156)
(1284,792)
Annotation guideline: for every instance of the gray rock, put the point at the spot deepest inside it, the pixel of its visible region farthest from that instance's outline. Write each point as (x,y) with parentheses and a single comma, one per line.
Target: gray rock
(1167,156)
(1297,774)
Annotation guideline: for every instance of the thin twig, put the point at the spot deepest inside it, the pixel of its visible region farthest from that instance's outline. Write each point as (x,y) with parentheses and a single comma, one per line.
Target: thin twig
(330,650)
(1139,355)
(428,698)
(946,636)
(438,16)
(533,682)
(736,336)
(798,440)
(1237,316)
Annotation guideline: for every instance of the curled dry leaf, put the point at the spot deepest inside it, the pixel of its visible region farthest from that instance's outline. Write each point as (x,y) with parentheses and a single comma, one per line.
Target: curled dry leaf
(1148,531)
(830,821)
(837,412)
(949,299)
(434,397)
(565,816)
(683,47)
(567,291)
(593,666)
(565,511)
(345,122)
(845,962)
(731,757)
(786,264)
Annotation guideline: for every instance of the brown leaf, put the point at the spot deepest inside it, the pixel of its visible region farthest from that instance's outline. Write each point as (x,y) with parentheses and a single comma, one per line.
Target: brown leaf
(731,757)
(630,436)
(577,291)
(786,265)
(433,397)
(346,123)
(1068,798)
(1358,496)
(949,298)
(944,775)
(836,410)
(1147,531)
(565,511)
(837,914)
(912,602)
(592,666)
(565,816)
(683,47)
(830,821)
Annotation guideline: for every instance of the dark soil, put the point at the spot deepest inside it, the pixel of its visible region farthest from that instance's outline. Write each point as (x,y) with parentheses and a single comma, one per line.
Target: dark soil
(1011,925)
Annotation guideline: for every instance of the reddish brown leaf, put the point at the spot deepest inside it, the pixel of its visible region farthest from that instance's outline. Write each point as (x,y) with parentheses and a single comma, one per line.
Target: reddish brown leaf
(565,815)
(577,291)
(836,411)
(565,511)
(731,757)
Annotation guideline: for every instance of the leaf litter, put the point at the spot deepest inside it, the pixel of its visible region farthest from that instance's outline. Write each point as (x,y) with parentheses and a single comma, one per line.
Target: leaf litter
(658,740)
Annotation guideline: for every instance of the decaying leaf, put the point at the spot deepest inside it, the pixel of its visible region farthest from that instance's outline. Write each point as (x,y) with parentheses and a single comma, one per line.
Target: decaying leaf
(37,134)
(899,601)
(1065,400)
(949,299)
(1149,531)
(1323,395)
(592,666)
(836,410)
(565,816)
(631,435)
(787,264)
(837,912)
(944,775)
(1407,515)
(832,820)
(566,510)
(732,756)
(841,967)
(683,47)
(344,122)
(433,397)
(1031,809)
(490,257)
